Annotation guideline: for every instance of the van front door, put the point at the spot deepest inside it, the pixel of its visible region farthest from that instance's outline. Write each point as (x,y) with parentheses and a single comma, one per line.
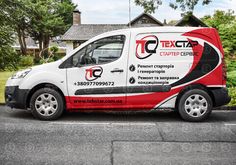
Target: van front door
(97,77)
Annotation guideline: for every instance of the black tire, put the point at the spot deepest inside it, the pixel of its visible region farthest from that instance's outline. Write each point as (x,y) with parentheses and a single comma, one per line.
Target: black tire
(192,110)
(56,109)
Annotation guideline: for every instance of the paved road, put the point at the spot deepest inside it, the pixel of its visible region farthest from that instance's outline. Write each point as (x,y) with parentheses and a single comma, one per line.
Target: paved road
(98,138)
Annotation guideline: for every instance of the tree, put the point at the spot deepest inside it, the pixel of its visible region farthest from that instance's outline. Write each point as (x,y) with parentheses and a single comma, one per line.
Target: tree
(49,18)
(219,18)
(41,19)
(185,5)
(15,14)
(228,37)
(149,6)
(225,23)
(8,57)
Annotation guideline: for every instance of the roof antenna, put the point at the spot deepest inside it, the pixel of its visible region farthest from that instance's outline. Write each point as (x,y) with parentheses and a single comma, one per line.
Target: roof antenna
(129,15)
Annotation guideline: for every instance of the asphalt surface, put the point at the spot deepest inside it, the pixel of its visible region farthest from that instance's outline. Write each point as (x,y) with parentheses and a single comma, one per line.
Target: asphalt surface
(104,139)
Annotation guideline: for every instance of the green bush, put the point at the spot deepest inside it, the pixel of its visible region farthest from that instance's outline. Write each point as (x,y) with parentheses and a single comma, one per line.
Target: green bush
(231,72)
(231,79)
(232,93)
(8,58)
(43,61)
(26,61)
(231,65)
(54,49)
(57,56)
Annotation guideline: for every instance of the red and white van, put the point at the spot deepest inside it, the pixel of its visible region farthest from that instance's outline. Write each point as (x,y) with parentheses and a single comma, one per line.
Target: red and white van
(144,69)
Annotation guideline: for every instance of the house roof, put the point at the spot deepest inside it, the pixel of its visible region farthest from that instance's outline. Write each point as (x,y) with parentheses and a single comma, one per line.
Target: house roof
(84,32)
(191,20)
(154,20)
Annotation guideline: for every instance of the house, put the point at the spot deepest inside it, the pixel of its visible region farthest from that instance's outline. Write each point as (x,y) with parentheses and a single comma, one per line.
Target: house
(190,20)
(33,46)
(79,33)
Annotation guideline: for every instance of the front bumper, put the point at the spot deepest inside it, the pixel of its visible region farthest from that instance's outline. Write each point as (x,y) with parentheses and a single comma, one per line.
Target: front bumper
(221,97)
(15,97)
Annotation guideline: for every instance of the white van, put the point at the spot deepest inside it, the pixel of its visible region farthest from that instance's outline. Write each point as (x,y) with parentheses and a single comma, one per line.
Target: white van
(144,69)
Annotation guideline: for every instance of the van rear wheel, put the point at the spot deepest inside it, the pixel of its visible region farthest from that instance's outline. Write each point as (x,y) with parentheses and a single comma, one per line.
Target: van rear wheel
(195,105)
(46,104)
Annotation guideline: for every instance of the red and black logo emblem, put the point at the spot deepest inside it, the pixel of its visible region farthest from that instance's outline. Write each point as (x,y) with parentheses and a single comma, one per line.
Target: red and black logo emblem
(93,73)
(146,46)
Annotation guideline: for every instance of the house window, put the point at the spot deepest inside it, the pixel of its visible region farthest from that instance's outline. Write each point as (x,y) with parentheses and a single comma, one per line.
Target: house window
(144,21)
(76,44)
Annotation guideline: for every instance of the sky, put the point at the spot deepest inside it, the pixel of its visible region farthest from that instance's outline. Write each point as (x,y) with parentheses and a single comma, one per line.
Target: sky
(117,11)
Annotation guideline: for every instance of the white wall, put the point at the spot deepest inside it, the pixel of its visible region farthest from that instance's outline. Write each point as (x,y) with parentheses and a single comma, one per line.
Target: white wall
(69,46)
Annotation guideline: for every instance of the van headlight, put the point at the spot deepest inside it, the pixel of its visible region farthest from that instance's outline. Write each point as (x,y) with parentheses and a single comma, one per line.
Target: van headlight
(20,74)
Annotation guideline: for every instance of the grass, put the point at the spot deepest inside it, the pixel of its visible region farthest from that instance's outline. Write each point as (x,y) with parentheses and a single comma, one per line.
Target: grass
(3,78)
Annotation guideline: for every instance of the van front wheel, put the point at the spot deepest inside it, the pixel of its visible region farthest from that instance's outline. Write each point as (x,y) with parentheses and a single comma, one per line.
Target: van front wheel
(46,104)
(195,105)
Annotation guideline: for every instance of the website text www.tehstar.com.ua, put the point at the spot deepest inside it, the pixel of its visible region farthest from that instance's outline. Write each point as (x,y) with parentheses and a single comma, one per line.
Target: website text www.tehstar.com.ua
(98,101)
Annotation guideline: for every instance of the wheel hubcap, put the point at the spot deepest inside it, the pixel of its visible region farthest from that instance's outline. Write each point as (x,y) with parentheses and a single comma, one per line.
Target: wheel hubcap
(46,104)
(196,105)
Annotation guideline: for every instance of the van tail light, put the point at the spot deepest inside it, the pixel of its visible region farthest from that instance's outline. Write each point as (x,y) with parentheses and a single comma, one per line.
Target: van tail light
(224,69)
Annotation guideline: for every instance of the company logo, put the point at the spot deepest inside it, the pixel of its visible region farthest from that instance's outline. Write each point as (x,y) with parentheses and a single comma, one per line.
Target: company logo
(146,46)
(178,44)
(93,73)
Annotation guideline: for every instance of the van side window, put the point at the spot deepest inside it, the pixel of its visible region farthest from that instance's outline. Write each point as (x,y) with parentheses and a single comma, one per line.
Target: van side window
(77,56)
(103,51)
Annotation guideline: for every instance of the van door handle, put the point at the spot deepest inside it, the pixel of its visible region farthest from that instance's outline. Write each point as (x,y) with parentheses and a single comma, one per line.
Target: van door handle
(117,70)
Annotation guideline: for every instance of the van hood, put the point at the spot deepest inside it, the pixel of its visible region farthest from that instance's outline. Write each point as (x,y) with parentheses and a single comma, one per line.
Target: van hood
(47,66)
